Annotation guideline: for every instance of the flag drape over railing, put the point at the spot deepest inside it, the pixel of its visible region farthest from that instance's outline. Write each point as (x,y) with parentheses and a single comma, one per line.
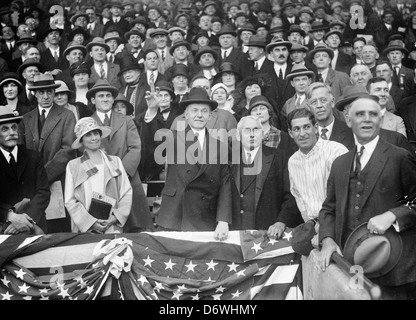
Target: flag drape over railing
(149,266)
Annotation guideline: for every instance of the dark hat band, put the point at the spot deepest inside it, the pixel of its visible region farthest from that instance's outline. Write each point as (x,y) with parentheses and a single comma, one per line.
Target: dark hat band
(43,83)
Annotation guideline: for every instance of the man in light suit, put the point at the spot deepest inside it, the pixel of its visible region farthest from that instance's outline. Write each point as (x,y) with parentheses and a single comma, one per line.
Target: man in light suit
(260,184)
(197,193)
(160,39)
(321,57)
(94,27)
(378,86)
(49,129)
(124,142)
(365,191)
(24,191)
(101,68)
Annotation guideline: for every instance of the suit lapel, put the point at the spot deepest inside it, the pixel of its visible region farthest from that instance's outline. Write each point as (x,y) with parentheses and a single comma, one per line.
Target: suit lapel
(51,120)
(344,183)
(115,124)
(33,117)
(5,166)
(21,162)
(330,78)
(266,161)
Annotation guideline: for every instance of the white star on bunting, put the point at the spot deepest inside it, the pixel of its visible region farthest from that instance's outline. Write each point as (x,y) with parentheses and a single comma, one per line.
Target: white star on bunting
(142,279)
(257,247)
(6,296)
(177,294)
(5,281)
(232,266)
(190,266)
(220,289)
(236,294)
(273,241)
(240,273)
(287,235)
(211,265)
(217,296)
(20,273)
(148,261)
(23,288)
(169,264)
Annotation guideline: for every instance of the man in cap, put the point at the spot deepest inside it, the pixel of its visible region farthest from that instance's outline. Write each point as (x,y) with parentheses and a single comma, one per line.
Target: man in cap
(260,184)
(321,56)
(282,90)
(363,189)
(101,68)
(300,78)
(117,19)
(229,53)
(160,39)
(24,190)
(197,192)
(125,143)
(49,129)
(320,153)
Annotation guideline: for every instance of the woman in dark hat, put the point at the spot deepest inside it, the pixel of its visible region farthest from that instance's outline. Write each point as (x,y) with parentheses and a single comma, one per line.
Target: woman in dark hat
(228,76)
(10,88)
(122,105)
(80,73)
(79,36)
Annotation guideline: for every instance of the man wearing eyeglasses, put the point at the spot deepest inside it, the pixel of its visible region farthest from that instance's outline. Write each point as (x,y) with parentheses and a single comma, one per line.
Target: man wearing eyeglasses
(260,183)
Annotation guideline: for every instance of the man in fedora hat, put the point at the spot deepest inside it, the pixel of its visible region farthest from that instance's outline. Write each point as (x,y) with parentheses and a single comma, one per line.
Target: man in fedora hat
(117,19)
(229,53)
(125,143)
(101,68)
(133,47)
(152,73)
(289,16)
(402,76)
(24,190)
(73,53)
(161,112)
(160,39)
(257,54)
(180,50)
(115,44)
(197,192)
(341,61)
(244,34)
(260,184)
(95,27)
(317,33)
(321,56)
(295,34)
(300,78)
(27,71)
(180,81)
(363,189)
(53,58)
(49,129)
(206,58)
(281,89)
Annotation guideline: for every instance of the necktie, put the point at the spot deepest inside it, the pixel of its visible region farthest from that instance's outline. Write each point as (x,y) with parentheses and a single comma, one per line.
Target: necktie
(256,65)
(102,73)
(320,79)
(42,119)
(152,77)
(397,69)
(248,159)
(358,161)
(55,55)
(31,98)
(163,55)
(112,58)
(13,163)
(297,102)
(280,74)
(225,55)
(323,133)
(106,120)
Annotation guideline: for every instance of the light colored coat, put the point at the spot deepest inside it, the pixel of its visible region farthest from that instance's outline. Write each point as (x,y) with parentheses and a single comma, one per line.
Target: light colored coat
(393,123)
(117,186)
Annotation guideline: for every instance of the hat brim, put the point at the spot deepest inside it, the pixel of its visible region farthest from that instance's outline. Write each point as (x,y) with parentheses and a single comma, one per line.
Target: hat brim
(402,49)
(44,87)
(31,41)
(343,102)
(162,88)
(185,43)
(362,231)
(309,73)
(311,53)
(7,119)
(213,104)
(92,44)
(32,64)
(80,47)
(17,82)
(128,34)
(129,106)
(105,132)
(286,44)
(90,93)
(199,54)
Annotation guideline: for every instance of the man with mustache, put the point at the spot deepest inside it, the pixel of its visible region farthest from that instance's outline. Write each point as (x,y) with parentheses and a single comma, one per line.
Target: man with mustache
(24,188)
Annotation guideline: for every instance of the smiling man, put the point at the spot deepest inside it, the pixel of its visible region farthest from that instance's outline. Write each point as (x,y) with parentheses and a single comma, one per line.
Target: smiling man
(309,166)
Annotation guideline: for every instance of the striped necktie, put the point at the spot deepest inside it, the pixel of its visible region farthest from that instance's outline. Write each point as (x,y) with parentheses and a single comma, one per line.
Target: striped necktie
(102,72)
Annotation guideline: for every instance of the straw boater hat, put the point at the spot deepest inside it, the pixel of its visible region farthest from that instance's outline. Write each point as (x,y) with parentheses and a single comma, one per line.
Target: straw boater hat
(102,85)
(43,81)
(198,95)
(7,115)
(85,125)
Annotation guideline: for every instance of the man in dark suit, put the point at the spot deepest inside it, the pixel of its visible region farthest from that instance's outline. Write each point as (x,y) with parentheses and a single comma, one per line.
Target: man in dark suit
(24,191)
(260,183)
(407,111)
(341,61)
(289,15)
(229,53)
(49,129)
(95,27)
(124,142)
(197,192)
(363,187)
(257,54)
(281,89)
(117,19)
(53,58)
